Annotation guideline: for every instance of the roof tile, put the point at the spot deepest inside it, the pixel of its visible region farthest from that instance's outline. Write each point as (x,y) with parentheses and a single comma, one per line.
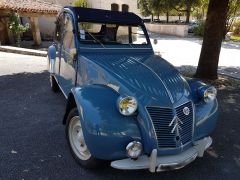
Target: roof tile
(34,6)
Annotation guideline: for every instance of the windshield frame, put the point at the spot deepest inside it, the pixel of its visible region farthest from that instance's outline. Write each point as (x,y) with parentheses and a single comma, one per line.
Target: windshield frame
(99,45)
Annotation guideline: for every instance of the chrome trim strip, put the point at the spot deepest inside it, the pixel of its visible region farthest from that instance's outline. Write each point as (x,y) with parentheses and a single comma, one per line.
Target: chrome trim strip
(194,119)
(165,86)
(61,88)
(118,48)
(206,117)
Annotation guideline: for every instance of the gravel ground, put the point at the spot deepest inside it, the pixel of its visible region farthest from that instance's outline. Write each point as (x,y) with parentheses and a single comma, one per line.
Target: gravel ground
(33,145)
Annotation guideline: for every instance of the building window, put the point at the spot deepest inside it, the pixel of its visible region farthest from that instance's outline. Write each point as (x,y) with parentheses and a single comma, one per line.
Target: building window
(125,8)
(114,7)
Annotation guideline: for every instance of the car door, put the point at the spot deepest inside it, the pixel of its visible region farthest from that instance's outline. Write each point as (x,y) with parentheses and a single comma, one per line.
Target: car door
(57,42)
(68,62)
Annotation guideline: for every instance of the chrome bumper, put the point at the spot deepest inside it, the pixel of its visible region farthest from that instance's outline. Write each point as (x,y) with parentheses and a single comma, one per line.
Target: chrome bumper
(163,163)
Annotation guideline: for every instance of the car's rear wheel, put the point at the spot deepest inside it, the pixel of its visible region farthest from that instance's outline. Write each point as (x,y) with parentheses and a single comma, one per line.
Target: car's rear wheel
(54,84)
(76,141)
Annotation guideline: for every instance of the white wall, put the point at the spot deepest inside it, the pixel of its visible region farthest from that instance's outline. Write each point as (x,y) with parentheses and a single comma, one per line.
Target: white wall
(168,29)
(106,4)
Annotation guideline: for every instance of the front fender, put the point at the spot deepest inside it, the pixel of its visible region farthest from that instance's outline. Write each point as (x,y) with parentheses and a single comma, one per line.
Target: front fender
(105,130)
(206,114)
(206,119)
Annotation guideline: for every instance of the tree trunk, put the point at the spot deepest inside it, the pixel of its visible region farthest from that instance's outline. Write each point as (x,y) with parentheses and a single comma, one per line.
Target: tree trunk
(213,32)
(167,16)
(152,17)
(188,12)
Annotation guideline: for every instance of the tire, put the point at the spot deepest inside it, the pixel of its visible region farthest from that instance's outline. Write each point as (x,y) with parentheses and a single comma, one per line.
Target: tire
(76,142)
(54,84)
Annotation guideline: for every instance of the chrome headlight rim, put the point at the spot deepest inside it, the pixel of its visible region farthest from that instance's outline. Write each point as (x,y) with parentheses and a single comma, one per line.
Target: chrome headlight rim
(207,93)
(134,149)
(121,99)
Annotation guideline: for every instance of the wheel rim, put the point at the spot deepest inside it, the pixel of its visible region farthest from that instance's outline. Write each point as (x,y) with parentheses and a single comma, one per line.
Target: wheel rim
(77,140)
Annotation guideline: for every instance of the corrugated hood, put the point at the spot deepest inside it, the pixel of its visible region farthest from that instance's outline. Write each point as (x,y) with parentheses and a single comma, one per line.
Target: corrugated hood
(147,74)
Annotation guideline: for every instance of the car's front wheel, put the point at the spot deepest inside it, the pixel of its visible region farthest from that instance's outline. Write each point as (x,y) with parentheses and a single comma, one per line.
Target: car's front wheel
(76,141)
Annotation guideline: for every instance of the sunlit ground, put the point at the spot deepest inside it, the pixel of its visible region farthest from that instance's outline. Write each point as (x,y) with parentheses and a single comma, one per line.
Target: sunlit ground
(186,51)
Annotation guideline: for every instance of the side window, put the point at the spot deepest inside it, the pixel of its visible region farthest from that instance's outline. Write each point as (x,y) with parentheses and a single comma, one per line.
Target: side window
(68,40)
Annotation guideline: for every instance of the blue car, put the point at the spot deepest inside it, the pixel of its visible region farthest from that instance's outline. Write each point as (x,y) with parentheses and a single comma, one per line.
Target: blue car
(125,104)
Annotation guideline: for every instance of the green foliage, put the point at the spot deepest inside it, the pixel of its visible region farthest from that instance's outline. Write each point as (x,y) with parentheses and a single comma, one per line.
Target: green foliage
(16,27)
(144,6)
(81,3)
(235,38)
(200,9)
(236,27)
(233,11)
(199,29)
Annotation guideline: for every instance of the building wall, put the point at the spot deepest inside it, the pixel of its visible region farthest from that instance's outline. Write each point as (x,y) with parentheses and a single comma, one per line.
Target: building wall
(106,4)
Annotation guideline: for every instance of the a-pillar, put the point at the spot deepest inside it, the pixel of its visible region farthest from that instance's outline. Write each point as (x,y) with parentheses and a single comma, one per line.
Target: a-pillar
(35,30)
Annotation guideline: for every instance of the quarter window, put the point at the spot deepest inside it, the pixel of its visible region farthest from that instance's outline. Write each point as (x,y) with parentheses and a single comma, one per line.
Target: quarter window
(59,28)
(68,41)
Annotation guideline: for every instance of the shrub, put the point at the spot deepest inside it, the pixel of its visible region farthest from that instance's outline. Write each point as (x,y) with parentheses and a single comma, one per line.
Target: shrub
(199,29)
(236,27)
(81,3)
(16,27)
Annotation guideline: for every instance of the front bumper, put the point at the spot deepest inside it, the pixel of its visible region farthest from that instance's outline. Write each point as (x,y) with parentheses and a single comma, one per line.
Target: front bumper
(163,163)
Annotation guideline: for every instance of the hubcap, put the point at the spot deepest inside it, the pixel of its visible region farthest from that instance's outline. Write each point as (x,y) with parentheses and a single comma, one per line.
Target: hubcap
(76,139)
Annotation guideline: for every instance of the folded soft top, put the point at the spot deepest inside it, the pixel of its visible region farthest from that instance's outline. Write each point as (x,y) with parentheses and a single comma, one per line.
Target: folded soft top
(104,16)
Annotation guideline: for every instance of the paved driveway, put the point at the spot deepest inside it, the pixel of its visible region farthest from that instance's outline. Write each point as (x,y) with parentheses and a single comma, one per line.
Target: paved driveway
(32,139)
(186,52)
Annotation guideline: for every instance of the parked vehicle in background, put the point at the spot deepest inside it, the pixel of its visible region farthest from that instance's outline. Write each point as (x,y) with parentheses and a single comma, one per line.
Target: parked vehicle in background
(125,104)
(192,25)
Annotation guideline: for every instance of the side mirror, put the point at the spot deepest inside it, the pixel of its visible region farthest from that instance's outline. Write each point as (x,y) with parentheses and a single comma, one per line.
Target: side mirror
(155,41)
(51,58)
(73,53)
(52,52)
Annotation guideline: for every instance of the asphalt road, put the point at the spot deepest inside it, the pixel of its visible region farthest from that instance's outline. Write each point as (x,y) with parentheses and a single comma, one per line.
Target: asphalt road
(33,145)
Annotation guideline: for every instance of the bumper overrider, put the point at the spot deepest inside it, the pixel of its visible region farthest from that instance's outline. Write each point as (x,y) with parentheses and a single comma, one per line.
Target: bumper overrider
(164,163)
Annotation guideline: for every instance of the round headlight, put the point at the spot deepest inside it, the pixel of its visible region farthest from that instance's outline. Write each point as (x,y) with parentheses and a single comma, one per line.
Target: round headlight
(208,93)
(127,105)
(134,149)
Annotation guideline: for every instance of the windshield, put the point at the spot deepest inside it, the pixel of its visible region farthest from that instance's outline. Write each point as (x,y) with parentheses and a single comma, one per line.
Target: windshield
(111,34)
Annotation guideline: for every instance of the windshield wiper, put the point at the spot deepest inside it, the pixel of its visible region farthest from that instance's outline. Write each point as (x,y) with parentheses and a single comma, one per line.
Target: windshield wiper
(96,39)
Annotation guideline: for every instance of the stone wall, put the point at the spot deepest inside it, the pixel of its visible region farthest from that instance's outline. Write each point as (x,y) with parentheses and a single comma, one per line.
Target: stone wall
(168,29)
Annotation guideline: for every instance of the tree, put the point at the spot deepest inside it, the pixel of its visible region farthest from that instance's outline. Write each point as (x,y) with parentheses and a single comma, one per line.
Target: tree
(167,6)
(144,8)
(233,11)
(186,6)
(200,9)
(155,6)
(17,28)
(211,47)
(80,3)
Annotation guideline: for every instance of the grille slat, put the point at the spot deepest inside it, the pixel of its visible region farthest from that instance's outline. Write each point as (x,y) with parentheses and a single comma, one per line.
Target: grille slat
(162,117)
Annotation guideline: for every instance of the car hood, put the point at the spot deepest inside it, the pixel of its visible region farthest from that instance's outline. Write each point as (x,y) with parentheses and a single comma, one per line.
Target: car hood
(144,76)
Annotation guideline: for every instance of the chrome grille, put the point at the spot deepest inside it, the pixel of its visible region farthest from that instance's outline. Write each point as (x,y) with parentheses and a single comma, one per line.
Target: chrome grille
(187,126)
(162,117)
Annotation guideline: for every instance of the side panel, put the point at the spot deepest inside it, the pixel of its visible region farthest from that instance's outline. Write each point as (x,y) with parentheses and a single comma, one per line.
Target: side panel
(106,131)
